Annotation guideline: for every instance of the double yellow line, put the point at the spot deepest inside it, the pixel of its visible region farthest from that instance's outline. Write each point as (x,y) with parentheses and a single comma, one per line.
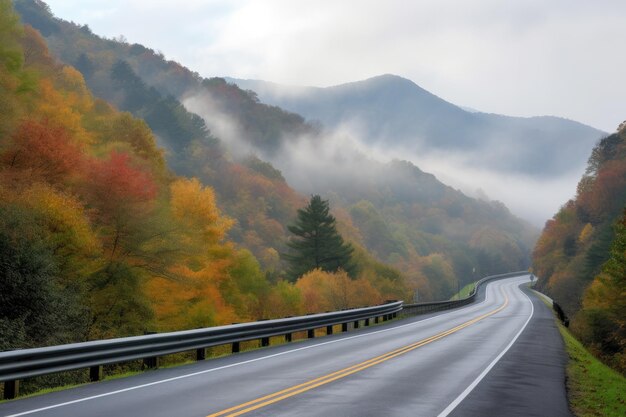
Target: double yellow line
(309,385)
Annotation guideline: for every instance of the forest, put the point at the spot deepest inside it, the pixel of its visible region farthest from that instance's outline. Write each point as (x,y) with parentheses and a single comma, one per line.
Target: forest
(100,238)
(581,253)
(431,234)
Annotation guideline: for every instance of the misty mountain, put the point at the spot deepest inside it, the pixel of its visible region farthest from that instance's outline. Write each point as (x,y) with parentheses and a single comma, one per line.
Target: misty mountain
(392,112)
(233,141)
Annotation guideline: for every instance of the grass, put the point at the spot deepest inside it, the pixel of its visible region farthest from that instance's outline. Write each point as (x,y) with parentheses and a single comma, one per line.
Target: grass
(465,291)
(593,388)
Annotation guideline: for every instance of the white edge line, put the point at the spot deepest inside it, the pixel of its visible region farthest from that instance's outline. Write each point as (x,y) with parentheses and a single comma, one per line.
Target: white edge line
(484,373)
(106,394)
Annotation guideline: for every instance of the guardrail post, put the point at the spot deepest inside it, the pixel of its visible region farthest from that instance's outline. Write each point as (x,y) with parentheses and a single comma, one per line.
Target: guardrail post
(344,327)
(95,373)
(367,322)
(311,333)
(265,341)
(236,347)
(200,354)
(376,320)
(329,329)
(288,337)
(11,389)
(356,324)
(151,362)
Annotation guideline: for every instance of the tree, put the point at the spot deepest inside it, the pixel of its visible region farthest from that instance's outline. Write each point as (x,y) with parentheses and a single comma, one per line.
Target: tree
(38,151)
(317,245)
(36,308)
(603,324)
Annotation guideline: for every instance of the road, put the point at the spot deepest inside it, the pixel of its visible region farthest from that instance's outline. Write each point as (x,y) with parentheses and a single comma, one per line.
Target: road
(499,356)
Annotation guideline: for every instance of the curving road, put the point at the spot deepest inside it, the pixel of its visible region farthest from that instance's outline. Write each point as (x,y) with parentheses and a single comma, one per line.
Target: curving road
(500,356)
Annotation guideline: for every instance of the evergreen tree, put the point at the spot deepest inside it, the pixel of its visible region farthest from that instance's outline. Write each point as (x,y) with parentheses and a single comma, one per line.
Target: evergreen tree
(317,243)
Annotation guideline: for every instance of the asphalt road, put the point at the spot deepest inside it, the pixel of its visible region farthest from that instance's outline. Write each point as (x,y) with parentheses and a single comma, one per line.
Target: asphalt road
(460,362)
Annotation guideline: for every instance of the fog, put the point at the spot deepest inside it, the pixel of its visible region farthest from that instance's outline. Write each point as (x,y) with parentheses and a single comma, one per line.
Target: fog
(533,199)
(330,161)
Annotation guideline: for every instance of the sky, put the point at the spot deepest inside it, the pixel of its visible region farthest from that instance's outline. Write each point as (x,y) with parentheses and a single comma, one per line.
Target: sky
(521,58)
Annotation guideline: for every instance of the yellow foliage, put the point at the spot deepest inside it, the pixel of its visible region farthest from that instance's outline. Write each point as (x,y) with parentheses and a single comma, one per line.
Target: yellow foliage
(194,206)
(328,291)
(585,233)
(63,110)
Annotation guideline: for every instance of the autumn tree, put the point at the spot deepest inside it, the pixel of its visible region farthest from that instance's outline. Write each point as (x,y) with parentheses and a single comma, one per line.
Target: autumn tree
(41,151)
(38,306)
(317,244)
(196,291)
(603,324)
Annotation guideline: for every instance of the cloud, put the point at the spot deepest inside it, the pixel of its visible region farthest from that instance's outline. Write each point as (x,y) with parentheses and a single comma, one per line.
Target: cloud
(534,199)
(219,122)
(527,58)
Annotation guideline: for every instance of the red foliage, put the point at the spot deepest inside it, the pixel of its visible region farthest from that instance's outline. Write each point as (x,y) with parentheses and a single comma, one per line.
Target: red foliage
(117,187)
(46,152)
(604,197)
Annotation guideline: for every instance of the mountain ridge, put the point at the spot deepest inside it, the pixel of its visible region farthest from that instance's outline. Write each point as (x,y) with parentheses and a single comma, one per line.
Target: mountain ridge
(393,110)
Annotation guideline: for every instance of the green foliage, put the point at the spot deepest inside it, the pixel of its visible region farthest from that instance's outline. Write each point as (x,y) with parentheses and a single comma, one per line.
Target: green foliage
(602,321)
(248,286)
(11,57)
(118,303)
(317,245)
(35,307)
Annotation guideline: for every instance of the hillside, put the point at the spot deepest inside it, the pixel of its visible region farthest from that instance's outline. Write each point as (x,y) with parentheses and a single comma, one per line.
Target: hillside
(580,254)
(100,239)
(435,235)
(250,191)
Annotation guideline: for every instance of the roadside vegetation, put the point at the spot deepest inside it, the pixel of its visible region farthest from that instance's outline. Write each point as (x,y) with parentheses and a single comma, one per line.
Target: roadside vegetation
(593,388)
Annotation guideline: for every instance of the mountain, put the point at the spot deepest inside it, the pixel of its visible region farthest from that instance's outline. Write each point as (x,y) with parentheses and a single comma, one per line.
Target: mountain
(391,111)
(260,159)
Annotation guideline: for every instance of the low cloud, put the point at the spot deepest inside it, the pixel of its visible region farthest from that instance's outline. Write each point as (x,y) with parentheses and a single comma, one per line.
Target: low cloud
(533,199)
(331,161)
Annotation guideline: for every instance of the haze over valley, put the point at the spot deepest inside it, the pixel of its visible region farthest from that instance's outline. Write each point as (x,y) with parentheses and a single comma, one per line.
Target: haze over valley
(508,158)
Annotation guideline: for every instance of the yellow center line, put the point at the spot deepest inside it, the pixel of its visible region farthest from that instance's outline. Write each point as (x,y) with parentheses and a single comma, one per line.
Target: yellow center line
(306,386)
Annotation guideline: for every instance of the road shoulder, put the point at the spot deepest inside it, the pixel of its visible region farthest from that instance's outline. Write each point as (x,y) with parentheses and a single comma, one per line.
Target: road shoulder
(529,380)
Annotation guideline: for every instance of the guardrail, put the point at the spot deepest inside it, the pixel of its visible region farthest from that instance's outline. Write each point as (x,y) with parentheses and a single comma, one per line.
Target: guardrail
(27,363)
(421,308)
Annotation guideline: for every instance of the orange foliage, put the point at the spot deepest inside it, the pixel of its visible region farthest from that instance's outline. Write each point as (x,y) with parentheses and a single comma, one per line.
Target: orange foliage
(192,302)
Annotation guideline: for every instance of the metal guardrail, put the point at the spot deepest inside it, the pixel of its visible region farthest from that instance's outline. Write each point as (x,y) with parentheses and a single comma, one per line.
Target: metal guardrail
(421,308)
(27,363)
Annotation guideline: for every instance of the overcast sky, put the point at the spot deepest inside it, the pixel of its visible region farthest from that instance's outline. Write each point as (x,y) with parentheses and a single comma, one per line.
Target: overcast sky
(521,58)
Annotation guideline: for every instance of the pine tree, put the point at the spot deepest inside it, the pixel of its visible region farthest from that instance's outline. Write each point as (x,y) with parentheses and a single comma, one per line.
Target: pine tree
(317,243)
